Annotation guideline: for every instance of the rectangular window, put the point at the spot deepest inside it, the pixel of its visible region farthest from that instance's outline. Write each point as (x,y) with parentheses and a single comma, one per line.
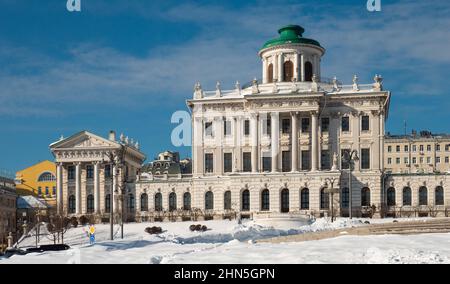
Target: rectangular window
(389,161)
(344,163)
(247,127)
(325,124)
(365,123)
(447,148)
(438,160)
(421,160)
(397,148)
(47,191)
(54,190)
(247,161)
(414,160)
(397,161)
(365,159)
(208,129)
(227,128)
(267,162)
(389,149)
(421,148)
(267,126)
(108,171)
(438,147)
(406,160)
(39,191)
(306,160)
(89,172)
(429,148)
(209,163)
(286,161)
(447,160)
(286,126)
(71,172)
(227,162)
(406,148)
(428,160)
(305,125)
(345,124)
(325,160)
(414,148)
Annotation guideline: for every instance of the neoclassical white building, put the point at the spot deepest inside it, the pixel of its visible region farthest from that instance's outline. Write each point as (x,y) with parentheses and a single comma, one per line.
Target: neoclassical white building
(274,146)
(279,145)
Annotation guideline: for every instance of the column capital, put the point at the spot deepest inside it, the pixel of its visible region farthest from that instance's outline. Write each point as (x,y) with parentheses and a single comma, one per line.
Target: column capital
(294,113)
(314,113)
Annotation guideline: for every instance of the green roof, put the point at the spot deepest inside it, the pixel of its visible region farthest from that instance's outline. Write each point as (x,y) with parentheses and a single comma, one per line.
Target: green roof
(290,34)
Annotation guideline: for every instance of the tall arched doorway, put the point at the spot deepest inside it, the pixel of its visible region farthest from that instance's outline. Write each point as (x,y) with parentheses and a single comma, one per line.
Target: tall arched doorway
(308,71)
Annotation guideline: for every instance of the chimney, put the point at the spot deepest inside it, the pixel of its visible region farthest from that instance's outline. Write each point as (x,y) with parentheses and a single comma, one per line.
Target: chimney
(112,136)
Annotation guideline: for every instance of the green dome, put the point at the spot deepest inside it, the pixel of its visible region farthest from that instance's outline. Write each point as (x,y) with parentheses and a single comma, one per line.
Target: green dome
(290,34)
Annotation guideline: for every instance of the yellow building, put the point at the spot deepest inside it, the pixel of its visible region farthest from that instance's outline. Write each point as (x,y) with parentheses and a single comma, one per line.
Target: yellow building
(38,180)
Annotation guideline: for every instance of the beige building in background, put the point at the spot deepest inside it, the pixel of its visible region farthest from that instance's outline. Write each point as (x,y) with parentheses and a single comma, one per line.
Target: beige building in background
(8,197)
(417,153)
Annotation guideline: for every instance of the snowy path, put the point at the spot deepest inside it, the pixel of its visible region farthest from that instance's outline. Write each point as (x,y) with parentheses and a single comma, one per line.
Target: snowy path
(229,242)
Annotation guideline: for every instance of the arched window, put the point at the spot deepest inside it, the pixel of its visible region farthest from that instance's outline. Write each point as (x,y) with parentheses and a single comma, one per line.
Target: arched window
(304,199)
(391,196)
(270,73)
(131,203)
(90,204)
(246,200)
(308,71)
(423,196)
(365,196)
(158,202)
(172,201)
(227,200)
(108,203)
(345,198)
(285,200)
(47,176)
(72,204)
(265,200)
(407,198)
(324,200)
(288,71)
(209,200)
(187,201)
(144,202)
(439,195)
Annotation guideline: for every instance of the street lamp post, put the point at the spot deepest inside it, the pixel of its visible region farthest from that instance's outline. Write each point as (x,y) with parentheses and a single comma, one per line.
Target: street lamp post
(350,158)
(331,190)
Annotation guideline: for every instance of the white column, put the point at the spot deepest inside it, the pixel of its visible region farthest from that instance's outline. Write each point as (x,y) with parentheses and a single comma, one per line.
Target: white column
(275,132)
(264,61)
(297,67)
(96,189)
(197,147)
(314,141)
(315,65)
(275,67)
(302,68)
(280,67)
(219,141)
(294,125)
(59,188)
(254,141)
(238,144)
(77,189)
(382,132)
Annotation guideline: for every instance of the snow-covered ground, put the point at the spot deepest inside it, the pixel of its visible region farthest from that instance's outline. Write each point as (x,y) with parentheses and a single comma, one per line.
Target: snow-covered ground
(230,242)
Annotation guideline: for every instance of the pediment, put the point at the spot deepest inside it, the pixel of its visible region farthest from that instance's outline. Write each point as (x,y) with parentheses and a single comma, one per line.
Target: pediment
(84,140)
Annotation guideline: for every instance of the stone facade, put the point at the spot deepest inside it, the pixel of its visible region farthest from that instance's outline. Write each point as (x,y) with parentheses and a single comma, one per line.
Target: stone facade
(8,199)
(94,174)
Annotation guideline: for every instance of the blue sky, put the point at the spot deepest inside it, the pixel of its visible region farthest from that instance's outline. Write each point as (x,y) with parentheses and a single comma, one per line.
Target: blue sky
(128,65)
